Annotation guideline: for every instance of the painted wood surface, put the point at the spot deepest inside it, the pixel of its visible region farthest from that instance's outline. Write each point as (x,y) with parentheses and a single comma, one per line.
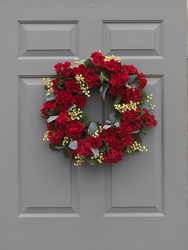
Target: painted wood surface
(48,203)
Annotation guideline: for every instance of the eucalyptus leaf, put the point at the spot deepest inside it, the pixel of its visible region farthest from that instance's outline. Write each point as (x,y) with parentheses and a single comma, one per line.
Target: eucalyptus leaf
(134,132)
(112,118)
(146,105)
(52,118)
(101,79)
(95,151)
(92,128)
(59,147)
(107,121)
(101,88)
(51,97)
(104,92)
(71,107)
(73,144)
(107,126)
(81,62)
(135,84)
(117,124)
(132,78)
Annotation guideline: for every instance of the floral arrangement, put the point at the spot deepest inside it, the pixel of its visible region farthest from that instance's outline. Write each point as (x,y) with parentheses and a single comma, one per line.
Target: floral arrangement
(71,130)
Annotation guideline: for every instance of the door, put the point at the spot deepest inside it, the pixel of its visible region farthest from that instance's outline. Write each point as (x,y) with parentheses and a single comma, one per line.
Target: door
(45,201)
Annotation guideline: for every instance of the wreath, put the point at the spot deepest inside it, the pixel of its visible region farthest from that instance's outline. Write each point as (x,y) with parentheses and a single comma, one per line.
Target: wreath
(71,130)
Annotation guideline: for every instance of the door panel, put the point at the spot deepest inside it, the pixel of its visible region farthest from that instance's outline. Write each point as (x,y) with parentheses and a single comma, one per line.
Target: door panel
(47,202)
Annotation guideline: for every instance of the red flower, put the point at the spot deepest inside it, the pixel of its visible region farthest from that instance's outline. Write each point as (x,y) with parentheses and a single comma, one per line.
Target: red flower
(62,118)
(56,137)
(47,106)
(64,99)
(113,156)
(72,86)
(98,58)
(149,119)
(58,68)
(68,92)
(54,84)
(130,69)
(80,100)
(132,118)
(143,83)
(92,142)
(75,130)
(133,94)
(92,80)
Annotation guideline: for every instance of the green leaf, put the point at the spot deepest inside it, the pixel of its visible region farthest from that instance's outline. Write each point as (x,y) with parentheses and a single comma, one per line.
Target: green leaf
(54,112)
(138,139)
(102,148)
(141,132)
(91,161)
(52,146)
(88,62)
(106,146)
(142,111)
(116,100)
(105,74)
(98,124)
(118,116)
(85,119)
(124,150)
(143,97)
(66,152)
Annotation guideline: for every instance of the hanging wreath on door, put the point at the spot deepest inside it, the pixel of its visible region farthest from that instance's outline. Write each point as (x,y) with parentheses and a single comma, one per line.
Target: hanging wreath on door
(71,130)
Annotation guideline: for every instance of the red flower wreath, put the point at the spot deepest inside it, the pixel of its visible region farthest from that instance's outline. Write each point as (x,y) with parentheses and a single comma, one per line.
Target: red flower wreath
(70,130)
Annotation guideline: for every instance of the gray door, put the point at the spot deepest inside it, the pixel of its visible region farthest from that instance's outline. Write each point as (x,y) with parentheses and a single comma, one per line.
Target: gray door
(45,201)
